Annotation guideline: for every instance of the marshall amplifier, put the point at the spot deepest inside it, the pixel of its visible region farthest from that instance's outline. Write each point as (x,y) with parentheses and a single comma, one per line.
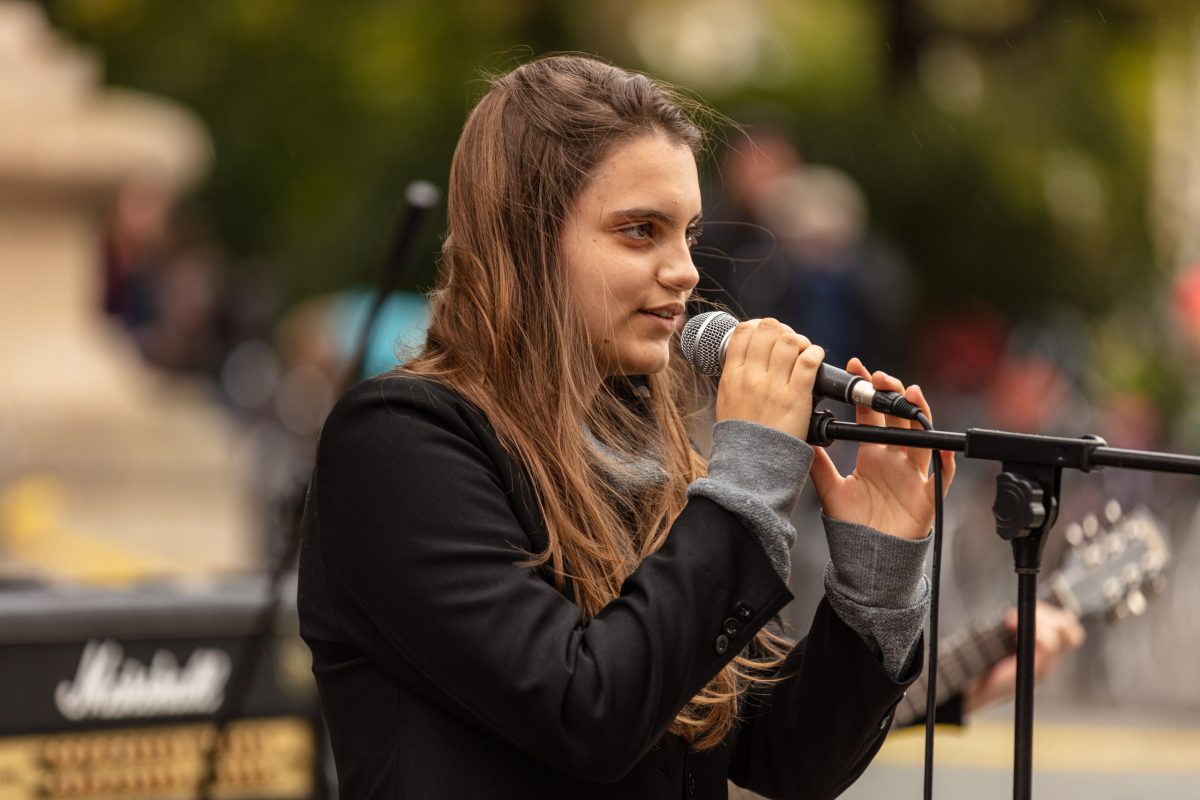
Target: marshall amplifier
(113,694)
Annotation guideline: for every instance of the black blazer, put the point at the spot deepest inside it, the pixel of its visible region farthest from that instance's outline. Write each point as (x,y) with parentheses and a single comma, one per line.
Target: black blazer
(448,671)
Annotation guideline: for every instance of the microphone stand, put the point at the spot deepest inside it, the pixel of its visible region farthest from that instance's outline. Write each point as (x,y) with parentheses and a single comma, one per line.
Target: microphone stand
(420,197)
(1026,506)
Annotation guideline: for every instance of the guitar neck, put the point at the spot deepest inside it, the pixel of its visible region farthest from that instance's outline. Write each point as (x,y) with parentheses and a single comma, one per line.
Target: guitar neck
(1104,572)
(964,657)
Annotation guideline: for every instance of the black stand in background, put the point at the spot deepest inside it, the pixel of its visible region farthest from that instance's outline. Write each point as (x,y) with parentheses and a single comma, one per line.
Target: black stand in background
(253,648)
(420,197)
(1027,497)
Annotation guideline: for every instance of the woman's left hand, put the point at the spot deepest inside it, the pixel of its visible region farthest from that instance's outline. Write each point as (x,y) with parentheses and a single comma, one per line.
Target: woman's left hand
(891,488)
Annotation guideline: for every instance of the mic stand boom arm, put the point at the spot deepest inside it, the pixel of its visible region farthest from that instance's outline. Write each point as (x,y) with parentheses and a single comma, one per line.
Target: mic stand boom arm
(1027,496)
(1086,453)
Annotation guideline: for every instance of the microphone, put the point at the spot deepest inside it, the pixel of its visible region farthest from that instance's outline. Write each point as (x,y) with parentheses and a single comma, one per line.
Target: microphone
(706,335)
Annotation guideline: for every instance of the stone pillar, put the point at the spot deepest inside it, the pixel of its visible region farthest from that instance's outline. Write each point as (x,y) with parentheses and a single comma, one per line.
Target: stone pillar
(139,462)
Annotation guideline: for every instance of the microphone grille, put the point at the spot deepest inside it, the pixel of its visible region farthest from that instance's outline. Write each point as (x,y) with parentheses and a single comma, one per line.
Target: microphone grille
(703,340)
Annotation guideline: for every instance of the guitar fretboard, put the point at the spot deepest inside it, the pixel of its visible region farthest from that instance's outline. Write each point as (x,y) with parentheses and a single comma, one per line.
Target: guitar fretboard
(963,657)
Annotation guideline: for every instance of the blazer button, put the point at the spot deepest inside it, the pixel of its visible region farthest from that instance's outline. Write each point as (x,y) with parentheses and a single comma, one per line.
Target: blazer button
(722,644)
(743,609)
(731,626)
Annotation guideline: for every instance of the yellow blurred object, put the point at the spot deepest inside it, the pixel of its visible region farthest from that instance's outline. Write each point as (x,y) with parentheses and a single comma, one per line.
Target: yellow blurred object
(34,533)
(260,759)
(1056,747)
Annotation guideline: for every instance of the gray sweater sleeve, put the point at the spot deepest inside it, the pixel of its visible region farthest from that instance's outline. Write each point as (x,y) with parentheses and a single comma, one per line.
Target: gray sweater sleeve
(757,473)
(875,583)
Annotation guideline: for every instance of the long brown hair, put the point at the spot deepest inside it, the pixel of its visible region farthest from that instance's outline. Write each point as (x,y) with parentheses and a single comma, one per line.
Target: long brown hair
(504,334)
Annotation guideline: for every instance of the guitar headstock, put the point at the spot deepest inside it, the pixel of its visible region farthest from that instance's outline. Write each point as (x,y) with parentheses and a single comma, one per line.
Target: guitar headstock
(1112,564)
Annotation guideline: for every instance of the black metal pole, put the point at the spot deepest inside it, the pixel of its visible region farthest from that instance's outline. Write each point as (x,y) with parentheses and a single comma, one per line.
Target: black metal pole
(420,197)
(1023,723)
(832,430)
(1142,459)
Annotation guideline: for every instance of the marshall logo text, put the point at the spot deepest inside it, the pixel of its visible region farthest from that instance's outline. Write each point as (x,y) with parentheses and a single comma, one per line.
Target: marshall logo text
(109,686)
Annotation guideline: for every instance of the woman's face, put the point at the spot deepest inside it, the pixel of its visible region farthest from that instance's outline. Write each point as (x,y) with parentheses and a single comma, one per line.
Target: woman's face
(626,248)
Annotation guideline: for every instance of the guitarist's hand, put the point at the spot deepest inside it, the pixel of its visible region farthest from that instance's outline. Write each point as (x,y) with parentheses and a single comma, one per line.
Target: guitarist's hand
(1058,632)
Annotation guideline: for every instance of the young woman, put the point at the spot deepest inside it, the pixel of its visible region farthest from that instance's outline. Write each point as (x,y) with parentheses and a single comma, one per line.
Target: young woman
(518,579)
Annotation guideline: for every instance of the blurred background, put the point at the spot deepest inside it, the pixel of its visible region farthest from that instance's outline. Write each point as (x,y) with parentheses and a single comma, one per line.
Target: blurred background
(997,199)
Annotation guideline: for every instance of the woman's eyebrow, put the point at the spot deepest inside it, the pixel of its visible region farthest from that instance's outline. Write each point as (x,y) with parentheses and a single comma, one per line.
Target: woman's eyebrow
(650,213)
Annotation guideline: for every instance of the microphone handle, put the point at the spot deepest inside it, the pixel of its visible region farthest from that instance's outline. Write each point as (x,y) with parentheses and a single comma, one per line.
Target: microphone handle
(837,384)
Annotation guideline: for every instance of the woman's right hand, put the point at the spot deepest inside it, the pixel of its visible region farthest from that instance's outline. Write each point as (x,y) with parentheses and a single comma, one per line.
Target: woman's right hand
(768,377)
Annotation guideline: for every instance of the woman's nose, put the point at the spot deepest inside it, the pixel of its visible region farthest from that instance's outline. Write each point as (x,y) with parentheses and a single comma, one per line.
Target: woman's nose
(678,272)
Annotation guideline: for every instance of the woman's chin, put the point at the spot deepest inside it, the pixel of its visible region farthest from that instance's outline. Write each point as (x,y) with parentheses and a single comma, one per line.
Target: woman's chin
(644,362)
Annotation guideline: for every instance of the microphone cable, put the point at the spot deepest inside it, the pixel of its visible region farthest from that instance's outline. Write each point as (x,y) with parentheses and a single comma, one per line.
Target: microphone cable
(934,603)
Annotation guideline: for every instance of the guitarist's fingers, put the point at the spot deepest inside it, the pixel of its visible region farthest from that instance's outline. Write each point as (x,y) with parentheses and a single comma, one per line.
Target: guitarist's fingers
(1057,628)
(997,684)
(1058,632)
(1060,625)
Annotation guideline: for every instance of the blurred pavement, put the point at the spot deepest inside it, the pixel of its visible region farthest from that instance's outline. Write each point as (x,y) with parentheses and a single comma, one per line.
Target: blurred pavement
(1079,752)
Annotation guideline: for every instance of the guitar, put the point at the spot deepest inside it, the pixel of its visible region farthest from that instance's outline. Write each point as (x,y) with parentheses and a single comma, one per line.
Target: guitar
(1107,571)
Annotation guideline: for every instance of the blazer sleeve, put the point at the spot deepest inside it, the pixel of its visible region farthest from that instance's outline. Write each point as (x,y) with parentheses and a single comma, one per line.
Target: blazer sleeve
(416,532)
(811,733)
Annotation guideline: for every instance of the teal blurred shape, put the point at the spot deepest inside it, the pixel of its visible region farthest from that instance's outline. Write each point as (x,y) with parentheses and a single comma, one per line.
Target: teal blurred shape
(396,333)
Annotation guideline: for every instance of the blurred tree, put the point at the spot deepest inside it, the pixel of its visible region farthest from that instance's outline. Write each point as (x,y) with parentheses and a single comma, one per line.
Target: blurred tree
(320,113)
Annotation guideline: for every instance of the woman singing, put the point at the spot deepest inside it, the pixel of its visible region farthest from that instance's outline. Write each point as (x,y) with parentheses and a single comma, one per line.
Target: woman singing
(518,579)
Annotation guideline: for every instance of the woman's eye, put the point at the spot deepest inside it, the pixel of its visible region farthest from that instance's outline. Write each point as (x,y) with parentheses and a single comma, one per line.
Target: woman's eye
(693,235)
(640,231)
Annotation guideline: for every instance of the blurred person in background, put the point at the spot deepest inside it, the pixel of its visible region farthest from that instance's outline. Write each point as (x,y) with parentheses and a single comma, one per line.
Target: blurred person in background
(136,241)
(791,240)
(737,258)
(517,577)
(844,288)
(167,282)
(1185,318)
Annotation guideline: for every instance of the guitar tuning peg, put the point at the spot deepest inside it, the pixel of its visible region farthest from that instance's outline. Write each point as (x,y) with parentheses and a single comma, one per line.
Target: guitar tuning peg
(1112,512)
(1135,601)
(1074,534)
(1091,526)
(1116,544)
(1113,589)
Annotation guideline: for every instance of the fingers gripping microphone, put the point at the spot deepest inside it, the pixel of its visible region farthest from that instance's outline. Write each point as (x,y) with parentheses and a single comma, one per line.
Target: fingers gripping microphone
(705,337)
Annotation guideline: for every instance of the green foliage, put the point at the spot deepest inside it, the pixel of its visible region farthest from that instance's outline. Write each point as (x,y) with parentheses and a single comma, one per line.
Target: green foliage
(320,113)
